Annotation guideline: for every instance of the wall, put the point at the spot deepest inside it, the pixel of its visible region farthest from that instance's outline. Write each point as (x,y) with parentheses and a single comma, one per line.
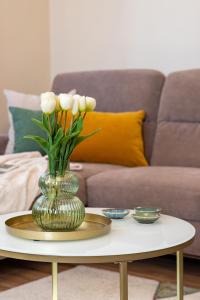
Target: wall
(24,49)
(93,34)
(167,34)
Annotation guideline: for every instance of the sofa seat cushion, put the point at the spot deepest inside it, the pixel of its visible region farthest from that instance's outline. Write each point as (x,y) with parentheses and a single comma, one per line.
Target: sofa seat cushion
(175,189)
(91,169)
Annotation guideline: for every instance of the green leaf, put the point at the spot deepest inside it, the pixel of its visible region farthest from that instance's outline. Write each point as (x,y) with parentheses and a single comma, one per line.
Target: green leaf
(40,141)
(46,125)
(80,139)
(40,124)
(66,140)
(59,135)
(73,134)
(45,121)
(66,143)
(79,124)
(55,148)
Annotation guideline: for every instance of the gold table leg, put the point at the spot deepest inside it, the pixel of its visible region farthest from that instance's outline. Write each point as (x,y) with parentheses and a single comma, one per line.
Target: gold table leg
(179,272)
(54,281)
(123,281)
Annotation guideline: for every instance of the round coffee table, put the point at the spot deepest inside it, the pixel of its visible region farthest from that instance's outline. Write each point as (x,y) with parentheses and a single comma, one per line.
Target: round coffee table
(128,241)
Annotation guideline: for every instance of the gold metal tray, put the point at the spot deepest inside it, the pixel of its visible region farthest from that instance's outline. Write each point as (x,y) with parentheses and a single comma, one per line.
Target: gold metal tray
(24,227)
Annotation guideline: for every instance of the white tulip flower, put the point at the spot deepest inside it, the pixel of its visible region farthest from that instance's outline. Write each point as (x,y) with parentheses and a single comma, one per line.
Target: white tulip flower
(66,101)
(76,97)
(48,102)
(90,104)
(82,104)
(75,107)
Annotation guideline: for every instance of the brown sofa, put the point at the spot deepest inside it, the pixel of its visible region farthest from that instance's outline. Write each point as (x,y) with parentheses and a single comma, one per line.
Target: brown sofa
(171,136)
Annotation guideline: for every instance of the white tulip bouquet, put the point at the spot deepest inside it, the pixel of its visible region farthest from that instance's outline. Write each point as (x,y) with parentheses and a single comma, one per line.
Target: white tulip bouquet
(57,112)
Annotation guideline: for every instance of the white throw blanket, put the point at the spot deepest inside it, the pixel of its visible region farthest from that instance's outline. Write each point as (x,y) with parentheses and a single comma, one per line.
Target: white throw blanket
(19,175)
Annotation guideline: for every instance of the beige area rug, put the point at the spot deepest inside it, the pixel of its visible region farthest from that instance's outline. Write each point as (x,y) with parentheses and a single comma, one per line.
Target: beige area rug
(85,283)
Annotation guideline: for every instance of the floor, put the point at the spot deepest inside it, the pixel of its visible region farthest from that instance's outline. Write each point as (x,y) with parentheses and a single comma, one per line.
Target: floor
(15,272)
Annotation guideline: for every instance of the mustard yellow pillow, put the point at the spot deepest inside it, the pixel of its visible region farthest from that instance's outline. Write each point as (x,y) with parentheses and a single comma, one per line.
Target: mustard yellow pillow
(118,142)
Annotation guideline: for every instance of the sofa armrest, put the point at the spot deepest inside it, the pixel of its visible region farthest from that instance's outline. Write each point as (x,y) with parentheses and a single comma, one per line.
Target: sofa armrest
(3,143)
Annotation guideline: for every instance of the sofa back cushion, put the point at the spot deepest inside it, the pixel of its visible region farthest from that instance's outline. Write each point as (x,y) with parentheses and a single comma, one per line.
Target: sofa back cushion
(177,141)
(119,91)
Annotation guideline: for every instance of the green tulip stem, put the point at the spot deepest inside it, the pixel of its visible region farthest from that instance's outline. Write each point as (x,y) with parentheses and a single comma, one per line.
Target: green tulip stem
(49,122)
(61,117)
(55,120)
(52,166)
(65,121)
(71,124)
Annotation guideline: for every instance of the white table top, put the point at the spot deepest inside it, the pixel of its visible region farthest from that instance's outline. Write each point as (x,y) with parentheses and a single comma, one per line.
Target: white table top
(127,237)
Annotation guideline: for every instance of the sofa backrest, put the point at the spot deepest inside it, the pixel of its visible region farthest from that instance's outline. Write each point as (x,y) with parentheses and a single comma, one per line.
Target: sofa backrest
(177,141)
(119,90)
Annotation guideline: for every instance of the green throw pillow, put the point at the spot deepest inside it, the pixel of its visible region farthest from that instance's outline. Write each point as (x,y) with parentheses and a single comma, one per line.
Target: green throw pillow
(23,125)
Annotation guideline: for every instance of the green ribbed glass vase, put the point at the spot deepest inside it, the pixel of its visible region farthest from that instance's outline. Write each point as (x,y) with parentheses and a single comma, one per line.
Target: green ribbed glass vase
(58,209)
